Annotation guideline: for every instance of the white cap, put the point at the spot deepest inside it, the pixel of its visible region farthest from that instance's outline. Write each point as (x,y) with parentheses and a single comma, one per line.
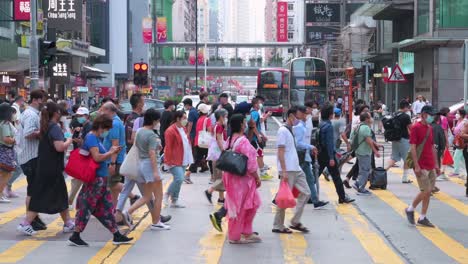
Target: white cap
(82,111)
(204,108)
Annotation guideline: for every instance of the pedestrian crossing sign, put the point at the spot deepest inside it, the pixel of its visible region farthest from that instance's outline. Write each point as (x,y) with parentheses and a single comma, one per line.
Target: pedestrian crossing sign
(397,75)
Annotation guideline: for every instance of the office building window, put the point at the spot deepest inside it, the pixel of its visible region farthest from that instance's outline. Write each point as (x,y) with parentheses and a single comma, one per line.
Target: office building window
(290,7)
(423,16)
(290,35)
(290,20)
(452,13)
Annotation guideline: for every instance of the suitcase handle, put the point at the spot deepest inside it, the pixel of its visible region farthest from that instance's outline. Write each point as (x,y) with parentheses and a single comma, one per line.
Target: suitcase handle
(383,156)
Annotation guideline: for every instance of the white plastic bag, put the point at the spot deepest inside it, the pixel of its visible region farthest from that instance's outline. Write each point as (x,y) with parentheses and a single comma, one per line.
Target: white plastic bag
(130,167)
(204,137)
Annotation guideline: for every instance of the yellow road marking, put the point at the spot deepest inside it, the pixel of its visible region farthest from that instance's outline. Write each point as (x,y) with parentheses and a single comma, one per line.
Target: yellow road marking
(12,215)
(374,245)
(212,245)
(294,245)
(21,249)
(441,240)
(441,196)
(458,181)
(20,184)
(111,253)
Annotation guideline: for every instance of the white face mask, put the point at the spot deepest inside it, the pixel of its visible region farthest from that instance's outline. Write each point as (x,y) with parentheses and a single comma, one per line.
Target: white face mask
(157,126)
(457,116)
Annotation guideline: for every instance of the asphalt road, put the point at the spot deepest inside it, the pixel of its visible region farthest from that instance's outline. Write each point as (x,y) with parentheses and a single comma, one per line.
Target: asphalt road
(372,230)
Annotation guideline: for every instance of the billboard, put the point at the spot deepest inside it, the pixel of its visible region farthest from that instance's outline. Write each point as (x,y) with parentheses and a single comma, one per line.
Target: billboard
(21,10)
(319,34)
(63,15)
(147,25)
(161,27)
(282,22)
(322,13)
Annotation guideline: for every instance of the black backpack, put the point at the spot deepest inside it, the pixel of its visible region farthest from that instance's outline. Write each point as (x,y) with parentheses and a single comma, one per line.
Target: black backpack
(392,126)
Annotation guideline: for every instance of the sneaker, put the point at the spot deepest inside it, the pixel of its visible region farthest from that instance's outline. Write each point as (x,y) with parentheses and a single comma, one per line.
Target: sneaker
(346,200)
(165,218)
(26,230)
(346,184)
(3,199)
(127,218)
(160,226)
(10,194)
(120,239)
(266,177)
(38,225)
(216,222)
(176,204)
(75,240)
(326,175)
(69,228)
(364,192)
(221,202)
(320,205)
(209,196)
(410,216)
(425,222)
(442,177)
(253,239)
(436,189)
(134,199)
(188,180)
(356,187)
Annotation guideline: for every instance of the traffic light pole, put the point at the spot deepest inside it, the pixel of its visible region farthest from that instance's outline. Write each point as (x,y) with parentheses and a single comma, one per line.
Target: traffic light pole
(33,47)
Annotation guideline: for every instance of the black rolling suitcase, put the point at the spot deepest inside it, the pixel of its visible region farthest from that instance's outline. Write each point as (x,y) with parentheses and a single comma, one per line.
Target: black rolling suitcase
(378,179)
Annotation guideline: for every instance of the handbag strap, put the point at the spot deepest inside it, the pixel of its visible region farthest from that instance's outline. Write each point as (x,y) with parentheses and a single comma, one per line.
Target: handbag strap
(234,144)
(204,123)
(420,146)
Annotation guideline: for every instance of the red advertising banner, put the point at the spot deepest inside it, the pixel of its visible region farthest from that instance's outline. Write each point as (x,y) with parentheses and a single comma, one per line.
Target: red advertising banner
(147,25)
(161,27)
(282,22)
(21,10)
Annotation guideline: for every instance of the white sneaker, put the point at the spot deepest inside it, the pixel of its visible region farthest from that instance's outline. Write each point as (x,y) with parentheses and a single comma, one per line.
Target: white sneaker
(26,230)
(69,228)
(3,199)
(176,204)
(160,226)
(127,218)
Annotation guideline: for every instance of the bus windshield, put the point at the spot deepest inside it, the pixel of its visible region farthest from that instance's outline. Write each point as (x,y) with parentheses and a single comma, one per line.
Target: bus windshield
(270,85)
(308,81)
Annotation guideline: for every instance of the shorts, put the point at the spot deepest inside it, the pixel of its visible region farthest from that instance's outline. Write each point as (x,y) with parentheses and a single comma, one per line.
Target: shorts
(400,149)
(146,172)
(29,169)
(218,184)
(113,180)
(426,180)
(257,147)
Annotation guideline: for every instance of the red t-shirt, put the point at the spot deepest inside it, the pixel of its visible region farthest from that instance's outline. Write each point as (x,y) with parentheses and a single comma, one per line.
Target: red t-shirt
(199,127)
(418,132)
(220,130)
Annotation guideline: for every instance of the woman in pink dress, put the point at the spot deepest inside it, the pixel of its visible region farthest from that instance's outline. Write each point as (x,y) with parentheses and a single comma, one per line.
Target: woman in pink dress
(242,198)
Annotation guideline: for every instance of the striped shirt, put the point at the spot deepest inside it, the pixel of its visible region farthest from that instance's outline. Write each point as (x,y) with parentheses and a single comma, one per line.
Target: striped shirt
(29,124)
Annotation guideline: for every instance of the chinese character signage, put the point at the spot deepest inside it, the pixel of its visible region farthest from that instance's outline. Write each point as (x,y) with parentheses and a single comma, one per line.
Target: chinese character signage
(322,13)
(319,34)
(63,14)
(161,26)
(282,22)
(60,70)
(21,10)
(147,25)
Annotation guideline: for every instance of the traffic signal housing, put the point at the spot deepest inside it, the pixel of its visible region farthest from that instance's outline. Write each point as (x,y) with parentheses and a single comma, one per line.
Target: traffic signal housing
(47,51)
(140,73)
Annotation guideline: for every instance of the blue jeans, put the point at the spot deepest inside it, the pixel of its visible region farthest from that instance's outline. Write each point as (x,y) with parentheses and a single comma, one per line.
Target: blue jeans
(178,173)
(364,170)
(16,174)
(311,180)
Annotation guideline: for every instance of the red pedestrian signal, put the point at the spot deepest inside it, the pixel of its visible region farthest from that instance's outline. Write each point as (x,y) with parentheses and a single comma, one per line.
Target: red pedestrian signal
(140,73)
(137,66)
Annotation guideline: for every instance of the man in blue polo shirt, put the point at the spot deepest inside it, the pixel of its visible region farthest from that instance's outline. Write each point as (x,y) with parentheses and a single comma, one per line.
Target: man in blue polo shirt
(116,137)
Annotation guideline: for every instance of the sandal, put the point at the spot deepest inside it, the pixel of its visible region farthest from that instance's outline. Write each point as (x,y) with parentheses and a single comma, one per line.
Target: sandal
(299,227)
(282,231)
(253,239)
(241,241)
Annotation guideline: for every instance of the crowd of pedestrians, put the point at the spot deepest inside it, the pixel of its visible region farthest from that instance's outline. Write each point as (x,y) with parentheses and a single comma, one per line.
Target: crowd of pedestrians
(36,139)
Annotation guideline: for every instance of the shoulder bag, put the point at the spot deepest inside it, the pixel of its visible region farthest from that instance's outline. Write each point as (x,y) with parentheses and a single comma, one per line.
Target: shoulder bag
(233,162)
(130,166)
(204,137)
(409,158)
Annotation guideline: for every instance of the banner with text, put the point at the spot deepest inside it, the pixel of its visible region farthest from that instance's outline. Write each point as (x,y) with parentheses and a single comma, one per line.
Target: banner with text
(21,10)
(282,22)
(147,24)
(161,26)
(322,13)
(63,15)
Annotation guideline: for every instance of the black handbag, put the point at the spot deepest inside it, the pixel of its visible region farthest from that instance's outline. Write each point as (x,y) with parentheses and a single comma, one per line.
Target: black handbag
(232,162)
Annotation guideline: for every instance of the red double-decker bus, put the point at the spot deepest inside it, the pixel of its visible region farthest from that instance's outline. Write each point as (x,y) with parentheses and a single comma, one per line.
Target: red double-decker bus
(272,84)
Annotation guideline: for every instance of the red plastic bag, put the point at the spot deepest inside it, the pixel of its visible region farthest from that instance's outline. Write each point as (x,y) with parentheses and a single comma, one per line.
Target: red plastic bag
(447,159)
(81,167)
(284,198)
(295,192)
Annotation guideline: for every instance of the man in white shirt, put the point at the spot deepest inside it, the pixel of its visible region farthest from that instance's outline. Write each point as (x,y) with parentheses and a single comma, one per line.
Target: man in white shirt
(291,172)
(418,105)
